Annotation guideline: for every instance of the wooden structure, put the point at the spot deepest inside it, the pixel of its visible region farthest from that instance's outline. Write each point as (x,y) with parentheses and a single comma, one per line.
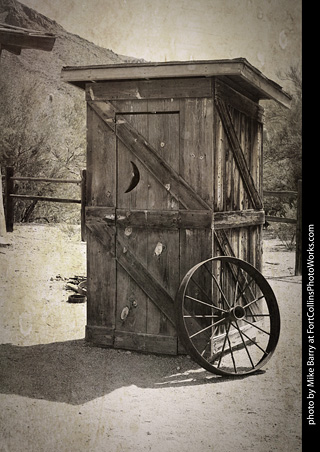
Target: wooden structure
(14,39)
(174,176)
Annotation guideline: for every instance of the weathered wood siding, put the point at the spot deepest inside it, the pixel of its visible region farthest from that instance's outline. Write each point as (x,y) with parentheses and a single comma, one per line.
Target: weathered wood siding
(197,145)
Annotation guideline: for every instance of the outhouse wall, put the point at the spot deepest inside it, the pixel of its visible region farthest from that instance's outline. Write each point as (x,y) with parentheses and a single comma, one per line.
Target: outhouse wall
(197,144)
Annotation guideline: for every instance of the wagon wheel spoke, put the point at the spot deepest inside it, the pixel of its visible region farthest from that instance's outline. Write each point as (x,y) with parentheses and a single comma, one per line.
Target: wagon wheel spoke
(206,304)
(218,286)
(227,316)
(255,343)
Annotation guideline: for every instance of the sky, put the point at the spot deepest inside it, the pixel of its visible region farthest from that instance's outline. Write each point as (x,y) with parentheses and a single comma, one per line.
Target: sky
(265,32)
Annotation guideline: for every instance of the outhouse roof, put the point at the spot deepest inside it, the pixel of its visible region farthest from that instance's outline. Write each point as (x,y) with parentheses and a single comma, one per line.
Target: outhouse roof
(237,72)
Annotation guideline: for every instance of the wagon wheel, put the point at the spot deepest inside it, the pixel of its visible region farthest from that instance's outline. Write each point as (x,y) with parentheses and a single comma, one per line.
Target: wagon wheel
(227,316)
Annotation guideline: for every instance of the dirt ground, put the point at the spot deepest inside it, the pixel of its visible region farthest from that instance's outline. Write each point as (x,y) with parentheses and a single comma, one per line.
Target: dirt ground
(57,393)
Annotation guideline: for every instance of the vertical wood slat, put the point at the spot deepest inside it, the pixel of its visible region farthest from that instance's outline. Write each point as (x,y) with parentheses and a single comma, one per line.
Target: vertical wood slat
(9,199)
(238,154)
(83,204)
(101,191)
(129,293)
(101,162)
(163,245)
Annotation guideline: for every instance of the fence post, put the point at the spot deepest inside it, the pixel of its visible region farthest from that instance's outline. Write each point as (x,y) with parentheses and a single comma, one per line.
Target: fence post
(9,199)
(298,266)
(3,229)
(83,204)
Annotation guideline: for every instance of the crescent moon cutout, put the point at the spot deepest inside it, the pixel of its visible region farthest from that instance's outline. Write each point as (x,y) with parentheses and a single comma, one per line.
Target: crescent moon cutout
(135,178)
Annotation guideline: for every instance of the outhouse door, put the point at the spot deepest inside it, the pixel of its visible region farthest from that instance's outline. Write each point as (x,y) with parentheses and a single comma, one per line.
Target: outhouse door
(153,224)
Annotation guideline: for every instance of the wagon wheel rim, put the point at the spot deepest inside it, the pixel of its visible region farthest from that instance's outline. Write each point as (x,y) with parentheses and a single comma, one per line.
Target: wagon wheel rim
(227,316)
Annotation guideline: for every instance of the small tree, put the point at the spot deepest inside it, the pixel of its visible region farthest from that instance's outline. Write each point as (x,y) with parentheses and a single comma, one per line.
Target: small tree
(283,152)
(283,139)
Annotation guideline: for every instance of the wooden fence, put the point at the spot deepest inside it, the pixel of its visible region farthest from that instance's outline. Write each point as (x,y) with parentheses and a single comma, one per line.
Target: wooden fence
(10,195)
(297,221)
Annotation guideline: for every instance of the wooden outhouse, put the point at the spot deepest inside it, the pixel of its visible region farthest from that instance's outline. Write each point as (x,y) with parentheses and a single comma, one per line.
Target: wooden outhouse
(174,176)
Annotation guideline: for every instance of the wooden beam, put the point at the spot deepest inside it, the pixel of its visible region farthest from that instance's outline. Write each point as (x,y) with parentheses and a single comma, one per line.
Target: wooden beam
(272,219)
(238,69)
(14,38)
(150,89)
(46,198)
(176,219)
(238,219)
(12,49)
(238,154)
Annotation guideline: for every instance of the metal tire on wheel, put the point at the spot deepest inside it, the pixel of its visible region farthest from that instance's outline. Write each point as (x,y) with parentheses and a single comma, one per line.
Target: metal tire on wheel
(227,316)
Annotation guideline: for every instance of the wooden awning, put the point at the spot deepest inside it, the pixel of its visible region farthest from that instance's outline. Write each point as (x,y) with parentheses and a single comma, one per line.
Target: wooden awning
(14,39)
(237,72)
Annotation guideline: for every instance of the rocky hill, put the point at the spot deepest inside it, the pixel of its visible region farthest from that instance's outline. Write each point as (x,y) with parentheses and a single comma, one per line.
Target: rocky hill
(42,120)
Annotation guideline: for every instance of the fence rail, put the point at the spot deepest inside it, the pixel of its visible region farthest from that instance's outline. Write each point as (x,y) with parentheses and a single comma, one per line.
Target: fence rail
(10,195)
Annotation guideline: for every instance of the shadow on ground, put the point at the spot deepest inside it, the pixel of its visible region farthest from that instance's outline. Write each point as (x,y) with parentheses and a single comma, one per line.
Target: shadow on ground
(74,372)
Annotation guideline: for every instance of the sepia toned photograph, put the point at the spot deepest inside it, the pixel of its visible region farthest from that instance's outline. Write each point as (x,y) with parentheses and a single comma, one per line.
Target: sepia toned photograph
(152,249)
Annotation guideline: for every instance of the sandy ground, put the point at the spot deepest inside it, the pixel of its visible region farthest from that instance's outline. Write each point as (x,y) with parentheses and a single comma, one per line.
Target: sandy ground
(57,393)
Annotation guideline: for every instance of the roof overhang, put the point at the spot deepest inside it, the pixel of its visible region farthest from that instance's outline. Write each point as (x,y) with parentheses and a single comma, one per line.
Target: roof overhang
(239,72)
(14,39)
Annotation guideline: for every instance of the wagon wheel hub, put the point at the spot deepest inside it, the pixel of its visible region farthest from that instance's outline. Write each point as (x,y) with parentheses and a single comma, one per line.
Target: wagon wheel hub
(237,313)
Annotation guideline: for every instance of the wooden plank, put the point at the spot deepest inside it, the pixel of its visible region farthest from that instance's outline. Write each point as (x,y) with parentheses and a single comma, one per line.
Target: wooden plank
(237,219)
(12,49)
(101,161)
(8,199)
(26,40)
(238,100)
(46,198)
(151,343)
(83,203)
(129,294)
(238,154)
(164,219)
(157,166)
(101,276)
(219,155)
(47,179)
(150,89)
(107,214)
(100,335)
(196,150)
(273,219)
(223,243)
(152,70)
(183,219)
(145,281)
